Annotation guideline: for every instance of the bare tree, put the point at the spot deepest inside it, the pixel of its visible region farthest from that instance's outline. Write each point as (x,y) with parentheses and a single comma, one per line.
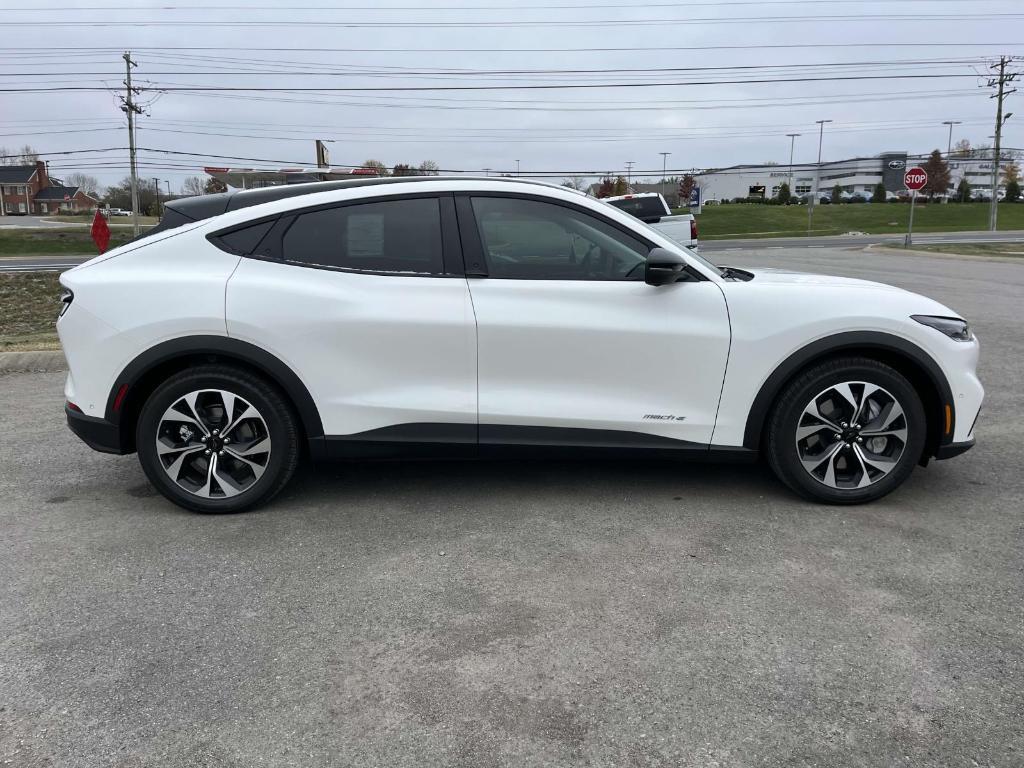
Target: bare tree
(429,168)
(962,148)
(575,182)
(24,156)
(377,166)
(88,184)
(193,186)
(28,155)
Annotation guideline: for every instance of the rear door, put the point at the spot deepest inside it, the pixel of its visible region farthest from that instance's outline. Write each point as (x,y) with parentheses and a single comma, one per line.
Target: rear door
(574,347)
(367,302)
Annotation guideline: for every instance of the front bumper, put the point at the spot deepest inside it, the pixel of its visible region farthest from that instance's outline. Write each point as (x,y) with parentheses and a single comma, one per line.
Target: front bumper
(98,434)
(950,450)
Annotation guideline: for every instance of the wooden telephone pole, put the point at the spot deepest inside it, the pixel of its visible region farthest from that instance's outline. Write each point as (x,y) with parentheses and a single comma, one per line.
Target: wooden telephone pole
(130,108)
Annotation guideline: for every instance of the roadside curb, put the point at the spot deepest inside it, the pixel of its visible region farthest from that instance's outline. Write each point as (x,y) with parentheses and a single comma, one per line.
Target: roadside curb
(12,362)
(912,251)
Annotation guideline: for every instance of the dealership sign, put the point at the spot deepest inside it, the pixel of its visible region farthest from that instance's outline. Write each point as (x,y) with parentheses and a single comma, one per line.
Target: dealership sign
(897,164)
(915,178)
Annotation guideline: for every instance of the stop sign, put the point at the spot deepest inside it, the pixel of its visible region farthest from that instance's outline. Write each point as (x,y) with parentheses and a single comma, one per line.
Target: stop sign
(915,178)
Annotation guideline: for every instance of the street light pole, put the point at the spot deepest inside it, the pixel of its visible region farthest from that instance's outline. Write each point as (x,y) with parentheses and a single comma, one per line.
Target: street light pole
(817,176)
(664,159)
(792,145)
(949,146)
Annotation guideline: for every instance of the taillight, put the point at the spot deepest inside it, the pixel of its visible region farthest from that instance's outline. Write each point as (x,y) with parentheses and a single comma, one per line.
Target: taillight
(66,297)
(693,229)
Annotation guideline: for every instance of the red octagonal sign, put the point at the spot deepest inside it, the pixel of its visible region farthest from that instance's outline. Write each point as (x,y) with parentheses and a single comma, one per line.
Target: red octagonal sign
(915,178)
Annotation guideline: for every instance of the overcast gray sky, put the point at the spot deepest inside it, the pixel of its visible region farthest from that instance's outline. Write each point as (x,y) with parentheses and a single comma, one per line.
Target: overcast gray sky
(398,44)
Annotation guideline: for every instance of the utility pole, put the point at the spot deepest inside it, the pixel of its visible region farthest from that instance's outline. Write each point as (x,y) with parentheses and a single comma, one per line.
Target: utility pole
(949,148)
(792,145)
(817,177)
(156,187)
(999,95)
(664,159)
(517,167)
(629,172)
(130,108)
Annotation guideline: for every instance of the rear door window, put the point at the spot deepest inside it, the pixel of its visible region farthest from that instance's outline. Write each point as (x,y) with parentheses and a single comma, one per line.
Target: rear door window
(400,236)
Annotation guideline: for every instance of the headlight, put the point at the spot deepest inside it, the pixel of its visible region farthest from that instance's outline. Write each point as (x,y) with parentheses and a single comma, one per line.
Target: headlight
(954,327)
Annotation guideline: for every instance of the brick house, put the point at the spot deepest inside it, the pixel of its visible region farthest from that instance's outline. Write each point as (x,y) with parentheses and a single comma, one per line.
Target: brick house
(29,190)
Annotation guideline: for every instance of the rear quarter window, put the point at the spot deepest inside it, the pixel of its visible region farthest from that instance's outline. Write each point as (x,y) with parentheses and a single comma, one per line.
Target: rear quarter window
(243,241)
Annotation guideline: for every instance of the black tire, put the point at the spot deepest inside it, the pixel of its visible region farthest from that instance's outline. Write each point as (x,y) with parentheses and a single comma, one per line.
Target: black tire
(784,455)
(278,421)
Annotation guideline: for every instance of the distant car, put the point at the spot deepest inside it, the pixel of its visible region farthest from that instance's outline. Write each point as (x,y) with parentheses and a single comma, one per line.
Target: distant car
(108,212)
(649,207)
(442,317)
(857,198)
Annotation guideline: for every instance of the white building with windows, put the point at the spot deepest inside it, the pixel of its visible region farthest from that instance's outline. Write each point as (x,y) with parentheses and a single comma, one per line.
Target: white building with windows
(855,176)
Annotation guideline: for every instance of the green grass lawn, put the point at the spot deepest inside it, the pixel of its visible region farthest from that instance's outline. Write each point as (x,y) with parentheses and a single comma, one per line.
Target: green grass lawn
(29,304)
(756,220)
(57,241)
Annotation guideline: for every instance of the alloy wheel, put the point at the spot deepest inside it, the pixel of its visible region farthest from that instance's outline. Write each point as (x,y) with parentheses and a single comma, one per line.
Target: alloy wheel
(213,443)
(851,435)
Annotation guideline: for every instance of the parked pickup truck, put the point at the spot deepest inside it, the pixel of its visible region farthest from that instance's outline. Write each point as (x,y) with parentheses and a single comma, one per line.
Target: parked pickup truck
(651,208)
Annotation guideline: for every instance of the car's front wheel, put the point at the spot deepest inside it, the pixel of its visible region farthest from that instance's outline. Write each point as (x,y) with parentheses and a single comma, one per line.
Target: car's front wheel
(217,439)
(847,431)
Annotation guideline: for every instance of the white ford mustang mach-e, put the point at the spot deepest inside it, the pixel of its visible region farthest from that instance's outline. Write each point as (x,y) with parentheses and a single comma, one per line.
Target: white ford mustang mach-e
(454,316)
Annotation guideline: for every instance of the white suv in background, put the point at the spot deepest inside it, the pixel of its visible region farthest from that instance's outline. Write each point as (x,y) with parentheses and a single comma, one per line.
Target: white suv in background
(479,317)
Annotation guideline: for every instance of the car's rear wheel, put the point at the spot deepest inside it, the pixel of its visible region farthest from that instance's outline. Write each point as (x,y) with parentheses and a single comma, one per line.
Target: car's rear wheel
(217,439)
(847,431)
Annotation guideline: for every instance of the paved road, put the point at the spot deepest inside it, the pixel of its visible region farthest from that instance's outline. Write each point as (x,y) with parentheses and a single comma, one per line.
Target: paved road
(845,241)
(31,222)
(523,614)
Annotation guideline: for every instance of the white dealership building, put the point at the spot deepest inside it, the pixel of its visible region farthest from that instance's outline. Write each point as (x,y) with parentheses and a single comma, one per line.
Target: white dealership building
(858,175)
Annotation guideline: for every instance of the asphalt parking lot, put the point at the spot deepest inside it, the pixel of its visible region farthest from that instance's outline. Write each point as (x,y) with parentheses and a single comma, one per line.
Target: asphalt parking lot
(454,614)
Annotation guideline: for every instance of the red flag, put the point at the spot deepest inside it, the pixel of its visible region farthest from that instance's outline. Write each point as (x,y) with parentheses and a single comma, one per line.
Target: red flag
(100,231)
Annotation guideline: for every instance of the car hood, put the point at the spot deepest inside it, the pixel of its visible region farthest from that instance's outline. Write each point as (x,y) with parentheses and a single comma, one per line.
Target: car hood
(786,277)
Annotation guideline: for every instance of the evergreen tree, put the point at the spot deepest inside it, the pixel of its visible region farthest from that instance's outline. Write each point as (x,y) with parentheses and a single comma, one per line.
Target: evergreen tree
(938,175)
(963,191)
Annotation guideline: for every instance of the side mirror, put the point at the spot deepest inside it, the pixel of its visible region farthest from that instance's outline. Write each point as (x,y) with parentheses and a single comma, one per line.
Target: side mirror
(663,267)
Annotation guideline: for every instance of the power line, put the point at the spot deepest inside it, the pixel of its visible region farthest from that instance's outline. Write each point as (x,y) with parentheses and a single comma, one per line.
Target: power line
(406,72)
(513,24)
(989,45)
(545,7)
(544,86)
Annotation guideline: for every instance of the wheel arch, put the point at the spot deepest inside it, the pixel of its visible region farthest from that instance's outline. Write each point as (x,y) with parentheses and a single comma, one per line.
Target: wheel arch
(906,357)
(143,374)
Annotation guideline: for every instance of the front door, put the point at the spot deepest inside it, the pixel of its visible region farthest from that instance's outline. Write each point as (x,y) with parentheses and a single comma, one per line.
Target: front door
(573,346)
